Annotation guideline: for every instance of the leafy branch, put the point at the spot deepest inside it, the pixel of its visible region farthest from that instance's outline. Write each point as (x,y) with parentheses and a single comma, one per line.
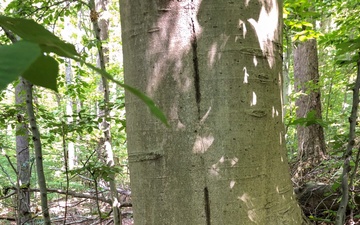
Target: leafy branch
(31,58)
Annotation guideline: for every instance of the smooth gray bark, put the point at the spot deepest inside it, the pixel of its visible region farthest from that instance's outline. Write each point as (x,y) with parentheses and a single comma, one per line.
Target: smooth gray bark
(214,68)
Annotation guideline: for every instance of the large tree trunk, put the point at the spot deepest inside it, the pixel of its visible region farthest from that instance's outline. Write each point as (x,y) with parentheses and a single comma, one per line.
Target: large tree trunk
(214,68)
(22,155)
(311,141)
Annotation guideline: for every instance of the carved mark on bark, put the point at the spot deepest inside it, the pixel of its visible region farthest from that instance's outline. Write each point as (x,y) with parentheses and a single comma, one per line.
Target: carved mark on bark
(140,157)
(256,113)
(207,206)
(196,67)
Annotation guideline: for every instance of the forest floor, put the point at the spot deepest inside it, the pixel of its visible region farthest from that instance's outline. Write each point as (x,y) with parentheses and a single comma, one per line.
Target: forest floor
(79,211)
(318,192)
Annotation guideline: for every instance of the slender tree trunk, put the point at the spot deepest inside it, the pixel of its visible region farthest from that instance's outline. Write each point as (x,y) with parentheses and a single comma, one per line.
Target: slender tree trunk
(214,68)
(345,186)
(38,152)
(286,68)
(100,26)
(22,155)
(22,149)
(69,113)
(311,141)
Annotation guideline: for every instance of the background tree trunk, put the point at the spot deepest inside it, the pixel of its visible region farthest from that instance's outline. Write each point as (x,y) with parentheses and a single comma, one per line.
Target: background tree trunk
(22,148)
(22,155)
(38,152)
(101,30)
(69,113)
(214,67)
(287,87)
(311,141)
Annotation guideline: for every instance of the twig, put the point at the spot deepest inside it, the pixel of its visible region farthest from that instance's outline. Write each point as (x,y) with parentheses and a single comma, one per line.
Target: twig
(11,164)
(340,216)
(355,169)
(5,172)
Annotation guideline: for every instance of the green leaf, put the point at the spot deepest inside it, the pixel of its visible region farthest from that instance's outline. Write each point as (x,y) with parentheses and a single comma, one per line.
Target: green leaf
(309,120)
(15,60)
(335,186)
(43,72)
(61,49)
(349,46)
(153,109)
(345,61)
(352,163)
(150,103)
(303,38)
(29,30)
(306,24)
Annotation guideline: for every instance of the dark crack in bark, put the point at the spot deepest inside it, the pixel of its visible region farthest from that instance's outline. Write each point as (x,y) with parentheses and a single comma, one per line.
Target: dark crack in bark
(207,206)
(196,67)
